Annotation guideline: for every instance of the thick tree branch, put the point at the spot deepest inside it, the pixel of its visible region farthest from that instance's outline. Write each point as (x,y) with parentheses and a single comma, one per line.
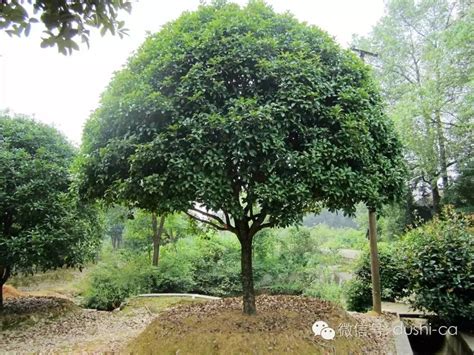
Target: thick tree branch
(259,219)
(228,222)
(222,228)
(210,215)
(265,225)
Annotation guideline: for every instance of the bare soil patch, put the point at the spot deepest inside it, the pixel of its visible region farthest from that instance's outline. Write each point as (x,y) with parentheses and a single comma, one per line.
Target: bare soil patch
(56,325)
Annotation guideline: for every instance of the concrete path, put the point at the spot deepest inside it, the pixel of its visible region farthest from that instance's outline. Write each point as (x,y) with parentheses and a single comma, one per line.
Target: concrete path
(351,254)
(402,309)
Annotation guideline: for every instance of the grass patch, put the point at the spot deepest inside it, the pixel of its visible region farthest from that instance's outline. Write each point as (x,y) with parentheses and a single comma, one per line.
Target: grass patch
(64,281)
(156,305)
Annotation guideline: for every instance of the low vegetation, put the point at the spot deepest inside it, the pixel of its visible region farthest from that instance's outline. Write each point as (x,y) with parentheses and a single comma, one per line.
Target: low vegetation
(393,274)
(286,261)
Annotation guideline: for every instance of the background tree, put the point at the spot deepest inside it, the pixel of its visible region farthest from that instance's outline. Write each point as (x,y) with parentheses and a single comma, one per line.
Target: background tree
(42,224)
(141,232)
(244,119)
(115,218)
(425,67)
(65,20)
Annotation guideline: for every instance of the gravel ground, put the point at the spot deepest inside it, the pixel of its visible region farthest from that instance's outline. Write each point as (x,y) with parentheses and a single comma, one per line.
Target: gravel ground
(79,330)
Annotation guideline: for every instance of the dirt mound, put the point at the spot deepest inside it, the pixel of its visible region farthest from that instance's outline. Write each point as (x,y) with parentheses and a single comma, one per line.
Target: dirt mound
(27,310)
(10,292)
(282,325)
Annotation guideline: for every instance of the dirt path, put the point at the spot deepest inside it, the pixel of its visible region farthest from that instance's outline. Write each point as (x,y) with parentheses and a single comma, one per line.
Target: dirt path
(80,330)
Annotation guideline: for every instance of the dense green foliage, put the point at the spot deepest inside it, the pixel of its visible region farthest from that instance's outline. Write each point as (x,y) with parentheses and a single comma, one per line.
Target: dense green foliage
(440,262)
(432,264)
(65,20)
(231,107)
(42,224)
(393,275)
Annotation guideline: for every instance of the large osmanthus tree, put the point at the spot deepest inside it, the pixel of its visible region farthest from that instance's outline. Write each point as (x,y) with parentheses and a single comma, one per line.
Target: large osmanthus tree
(42,223)
(244,119)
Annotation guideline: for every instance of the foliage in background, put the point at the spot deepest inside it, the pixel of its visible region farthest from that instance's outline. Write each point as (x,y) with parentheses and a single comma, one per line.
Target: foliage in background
(115,218)
(65,20)
(286,261)
(439,259)
(138,232)
(331,219)
(43,225)
(424,64)
(460,194)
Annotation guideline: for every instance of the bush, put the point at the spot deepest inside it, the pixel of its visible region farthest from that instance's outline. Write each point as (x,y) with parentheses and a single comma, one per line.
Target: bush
(358,295)
(116,278)
(175,267)
(440,260)
(393,278)
(217,267)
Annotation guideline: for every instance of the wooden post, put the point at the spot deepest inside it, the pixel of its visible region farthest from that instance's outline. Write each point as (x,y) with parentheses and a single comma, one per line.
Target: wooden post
(374,264)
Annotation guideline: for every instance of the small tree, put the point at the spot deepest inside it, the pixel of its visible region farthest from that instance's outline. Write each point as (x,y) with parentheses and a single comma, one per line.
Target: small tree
(42,225)
(244,119)
(115,218)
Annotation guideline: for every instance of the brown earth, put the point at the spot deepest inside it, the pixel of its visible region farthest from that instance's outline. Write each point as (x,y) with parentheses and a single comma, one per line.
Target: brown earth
(281,326)
(10,292)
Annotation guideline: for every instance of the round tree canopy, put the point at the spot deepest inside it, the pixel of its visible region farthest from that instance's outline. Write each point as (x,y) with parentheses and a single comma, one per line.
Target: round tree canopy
(240,108)
(41,225)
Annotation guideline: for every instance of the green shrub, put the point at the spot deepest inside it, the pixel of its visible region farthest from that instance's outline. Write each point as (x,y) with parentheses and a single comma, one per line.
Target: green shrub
(440,259)
(358,295)
(393,273)
(217,267)
(393,278)
(325,290)
(175,267)
(116,278)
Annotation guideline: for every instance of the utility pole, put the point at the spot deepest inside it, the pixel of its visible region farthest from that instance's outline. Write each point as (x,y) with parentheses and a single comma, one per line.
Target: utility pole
(374,264)
(374,254)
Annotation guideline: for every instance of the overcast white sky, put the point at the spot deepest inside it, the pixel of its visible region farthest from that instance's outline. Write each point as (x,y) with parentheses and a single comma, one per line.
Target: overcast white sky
(63,91)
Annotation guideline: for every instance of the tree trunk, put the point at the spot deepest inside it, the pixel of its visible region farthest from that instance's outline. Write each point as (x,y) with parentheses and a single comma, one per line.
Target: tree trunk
(157,231)
(436,198)
(374,264)
(247,274)
(4,275)
(443,163)
(1,296)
